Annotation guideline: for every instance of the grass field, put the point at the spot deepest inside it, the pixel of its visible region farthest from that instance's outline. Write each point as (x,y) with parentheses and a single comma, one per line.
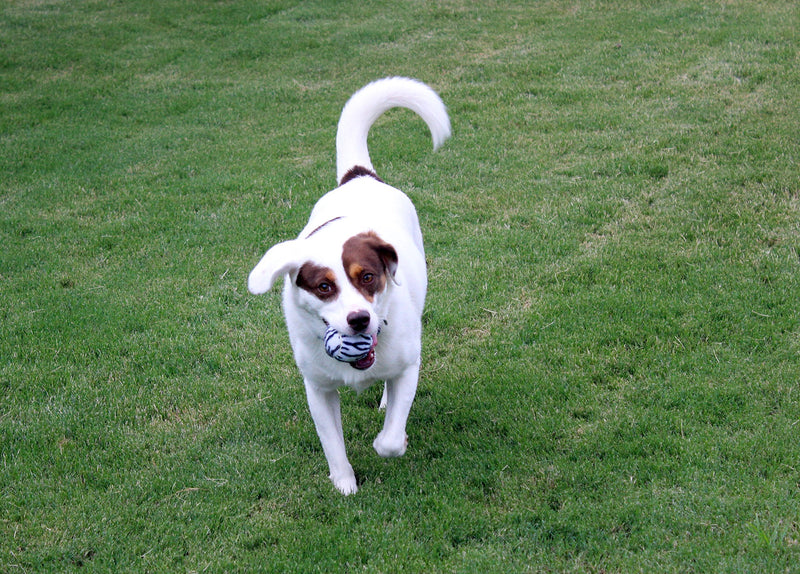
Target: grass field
(611,361)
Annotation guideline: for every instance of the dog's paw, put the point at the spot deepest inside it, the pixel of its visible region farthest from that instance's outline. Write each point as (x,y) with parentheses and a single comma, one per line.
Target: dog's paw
(345,484)
(390,446)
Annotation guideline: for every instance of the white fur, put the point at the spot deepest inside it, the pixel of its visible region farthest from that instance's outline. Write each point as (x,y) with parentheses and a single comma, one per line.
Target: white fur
(367,105)
(361,205)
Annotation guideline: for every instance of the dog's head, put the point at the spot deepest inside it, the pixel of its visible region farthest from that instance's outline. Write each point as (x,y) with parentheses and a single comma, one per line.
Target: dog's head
(341,284)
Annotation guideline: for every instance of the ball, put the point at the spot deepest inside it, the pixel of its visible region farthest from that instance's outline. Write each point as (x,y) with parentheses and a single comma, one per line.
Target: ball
(347,348)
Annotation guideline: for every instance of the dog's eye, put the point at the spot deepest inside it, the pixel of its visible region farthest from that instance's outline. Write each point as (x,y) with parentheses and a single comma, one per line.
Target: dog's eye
(324,288)
(367,278)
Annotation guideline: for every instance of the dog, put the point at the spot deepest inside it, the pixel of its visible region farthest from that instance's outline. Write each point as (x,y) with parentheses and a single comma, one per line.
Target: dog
(355,280)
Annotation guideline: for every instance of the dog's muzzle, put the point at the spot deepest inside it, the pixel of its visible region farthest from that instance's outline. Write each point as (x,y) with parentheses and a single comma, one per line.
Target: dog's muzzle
(358,350)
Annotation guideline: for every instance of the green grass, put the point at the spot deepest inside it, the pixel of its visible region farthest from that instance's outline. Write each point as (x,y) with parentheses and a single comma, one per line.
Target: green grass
(612,335)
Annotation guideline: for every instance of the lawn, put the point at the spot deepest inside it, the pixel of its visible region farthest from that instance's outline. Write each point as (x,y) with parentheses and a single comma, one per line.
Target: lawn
(611,355)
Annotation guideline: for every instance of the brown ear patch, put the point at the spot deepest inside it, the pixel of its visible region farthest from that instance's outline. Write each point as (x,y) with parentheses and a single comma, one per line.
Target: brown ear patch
(368,261)
(317,280)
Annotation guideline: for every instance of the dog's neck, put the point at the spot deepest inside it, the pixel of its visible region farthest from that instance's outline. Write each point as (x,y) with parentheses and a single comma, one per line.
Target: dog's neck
(323,225)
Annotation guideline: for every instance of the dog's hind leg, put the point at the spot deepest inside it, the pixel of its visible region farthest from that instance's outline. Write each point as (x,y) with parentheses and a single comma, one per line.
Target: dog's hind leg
(384,399)
(326,412)
(399,394)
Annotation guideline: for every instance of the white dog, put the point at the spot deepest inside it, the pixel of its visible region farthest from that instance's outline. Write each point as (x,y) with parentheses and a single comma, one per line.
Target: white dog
(355,280)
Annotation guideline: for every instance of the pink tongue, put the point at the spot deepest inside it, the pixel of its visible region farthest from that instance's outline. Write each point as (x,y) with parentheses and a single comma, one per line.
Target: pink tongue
(367,361)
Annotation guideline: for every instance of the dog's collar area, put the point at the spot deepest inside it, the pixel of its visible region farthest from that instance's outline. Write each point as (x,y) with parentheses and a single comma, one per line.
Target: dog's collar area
(324,224)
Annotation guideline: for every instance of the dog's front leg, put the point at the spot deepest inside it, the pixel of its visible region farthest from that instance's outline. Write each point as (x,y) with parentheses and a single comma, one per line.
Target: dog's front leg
(326,412)
(399,394)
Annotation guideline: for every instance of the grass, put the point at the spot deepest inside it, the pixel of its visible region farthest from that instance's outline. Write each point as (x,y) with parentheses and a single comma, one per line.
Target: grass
(612,342)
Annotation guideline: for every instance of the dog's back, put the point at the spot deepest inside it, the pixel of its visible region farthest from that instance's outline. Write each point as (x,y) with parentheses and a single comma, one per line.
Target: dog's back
(375,204)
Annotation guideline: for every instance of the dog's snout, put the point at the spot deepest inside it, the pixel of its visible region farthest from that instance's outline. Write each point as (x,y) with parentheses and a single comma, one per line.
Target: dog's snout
(358,320)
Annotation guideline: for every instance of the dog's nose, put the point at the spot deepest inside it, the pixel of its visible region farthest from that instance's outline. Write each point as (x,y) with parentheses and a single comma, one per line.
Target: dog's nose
(358,320)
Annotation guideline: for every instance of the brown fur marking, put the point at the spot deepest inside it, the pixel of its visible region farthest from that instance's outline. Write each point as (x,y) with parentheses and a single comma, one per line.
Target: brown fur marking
(358,171)
(368,261)
(319,281)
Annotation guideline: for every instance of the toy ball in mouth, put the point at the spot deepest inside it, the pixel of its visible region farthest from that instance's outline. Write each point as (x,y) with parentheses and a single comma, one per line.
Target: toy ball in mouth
(358,349)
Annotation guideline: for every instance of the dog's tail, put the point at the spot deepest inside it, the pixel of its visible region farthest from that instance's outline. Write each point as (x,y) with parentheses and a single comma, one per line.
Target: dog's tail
(367,105)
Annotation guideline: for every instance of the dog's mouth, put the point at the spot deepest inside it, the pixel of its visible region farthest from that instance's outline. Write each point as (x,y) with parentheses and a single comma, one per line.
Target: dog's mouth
(358,350)
(369,359)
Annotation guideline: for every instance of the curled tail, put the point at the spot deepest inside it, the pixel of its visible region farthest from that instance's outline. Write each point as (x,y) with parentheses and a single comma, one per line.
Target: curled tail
(367,105)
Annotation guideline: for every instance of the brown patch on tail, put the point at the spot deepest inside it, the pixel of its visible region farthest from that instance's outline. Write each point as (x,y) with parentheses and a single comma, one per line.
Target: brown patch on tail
(358,171)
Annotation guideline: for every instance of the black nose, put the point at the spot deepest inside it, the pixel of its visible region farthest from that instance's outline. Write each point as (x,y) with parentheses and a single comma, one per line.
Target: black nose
(358,320)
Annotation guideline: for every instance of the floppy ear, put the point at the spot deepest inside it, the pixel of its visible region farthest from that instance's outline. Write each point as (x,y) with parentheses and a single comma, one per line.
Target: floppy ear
(388,256)
(281,259)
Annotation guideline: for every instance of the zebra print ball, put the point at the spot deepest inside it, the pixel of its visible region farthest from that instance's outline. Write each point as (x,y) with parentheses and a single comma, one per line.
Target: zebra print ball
(347,348)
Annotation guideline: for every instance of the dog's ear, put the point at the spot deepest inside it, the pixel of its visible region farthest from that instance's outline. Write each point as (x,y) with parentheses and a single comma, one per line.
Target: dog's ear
(388,256)
(385,251)
(281,259)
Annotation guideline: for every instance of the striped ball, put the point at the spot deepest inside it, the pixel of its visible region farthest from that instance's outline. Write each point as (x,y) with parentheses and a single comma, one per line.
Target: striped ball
(347,348)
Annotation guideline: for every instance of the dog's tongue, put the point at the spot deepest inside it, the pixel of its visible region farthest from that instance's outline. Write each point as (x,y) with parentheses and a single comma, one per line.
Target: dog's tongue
(369,359)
